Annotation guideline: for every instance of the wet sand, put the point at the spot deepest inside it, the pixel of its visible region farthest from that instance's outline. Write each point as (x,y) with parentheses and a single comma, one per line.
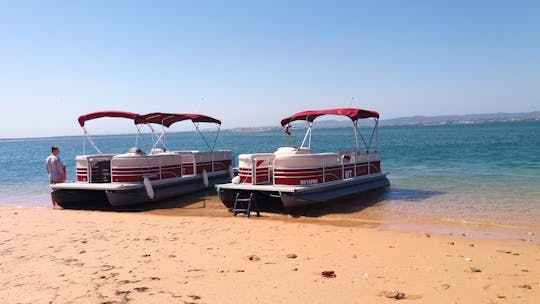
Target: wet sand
(194,251)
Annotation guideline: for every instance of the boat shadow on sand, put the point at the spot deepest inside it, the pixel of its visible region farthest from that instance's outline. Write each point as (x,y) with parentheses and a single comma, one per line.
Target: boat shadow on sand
(368,199)
(207,203)
(191,202)
(196,203)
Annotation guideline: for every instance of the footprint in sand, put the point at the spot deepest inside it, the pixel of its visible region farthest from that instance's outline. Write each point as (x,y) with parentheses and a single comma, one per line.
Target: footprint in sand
(107,267)
(253,258)
(122,292)
(196,269)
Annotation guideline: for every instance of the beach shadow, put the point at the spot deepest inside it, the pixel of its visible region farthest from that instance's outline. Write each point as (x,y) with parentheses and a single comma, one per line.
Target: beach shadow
(368,199)
(347,205)
(198,200)
(410,195)
(207,203)
(195,201)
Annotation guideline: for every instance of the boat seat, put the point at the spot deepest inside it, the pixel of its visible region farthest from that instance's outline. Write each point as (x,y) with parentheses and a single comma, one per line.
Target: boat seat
(347,155)
(307,160)
(246,160)
(131,152)
(292,151)
(158,150)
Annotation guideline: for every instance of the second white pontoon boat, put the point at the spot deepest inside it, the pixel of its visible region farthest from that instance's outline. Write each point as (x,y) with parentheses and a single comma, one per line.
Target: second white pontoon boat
(298,178)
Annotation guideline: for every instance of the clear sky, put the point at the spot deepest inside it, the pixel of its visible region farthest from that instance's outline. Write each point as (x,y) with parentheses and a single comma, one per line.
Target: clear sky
(251,63)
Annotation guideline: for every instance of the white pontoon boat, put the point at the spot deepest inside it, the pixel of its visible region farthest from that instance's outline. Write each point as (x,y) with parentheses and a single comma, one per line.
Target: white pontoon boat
(136,177)
(298,178)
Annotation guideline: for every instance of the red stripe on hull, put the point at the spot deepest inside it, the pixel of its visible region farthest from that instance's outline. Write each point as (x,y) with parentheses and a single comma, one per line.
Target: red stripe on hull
(308,176)
(82,174)
(137,174)
(218,166)
(262,175)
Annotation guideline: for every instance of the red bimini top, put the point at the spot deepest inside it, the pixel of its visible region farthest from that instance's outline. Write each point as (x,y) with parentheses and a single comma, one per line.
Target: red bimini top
(167,119)
(353,114)
(137,119)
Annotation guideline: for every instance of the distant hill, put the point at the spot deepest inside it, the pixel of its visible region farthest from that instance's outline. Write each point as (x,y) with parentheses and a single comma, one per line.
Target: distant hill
(419,120)
(461,119)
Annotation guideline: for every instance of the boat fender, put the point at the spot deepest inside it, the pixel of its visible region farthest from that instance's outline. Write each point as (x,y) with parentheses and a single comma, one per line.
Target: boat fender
(236,180)
(231,172)
(205,178)
(148,188)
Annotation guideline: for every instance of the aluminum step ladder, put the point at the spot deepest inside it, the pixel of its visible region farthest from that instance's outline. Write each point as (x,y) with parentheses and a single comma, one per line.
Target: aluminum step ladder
(244,205)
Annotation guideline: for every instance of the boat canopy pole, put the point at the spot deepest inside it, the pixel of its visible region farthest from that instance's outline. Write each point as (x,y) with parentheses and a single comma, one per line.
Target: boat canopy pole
(363,139)
(196,124)
(310,131)
(91,140)
(307,136)
(374,132)
(137,137)
(159,138)
(216,138)
(356,132)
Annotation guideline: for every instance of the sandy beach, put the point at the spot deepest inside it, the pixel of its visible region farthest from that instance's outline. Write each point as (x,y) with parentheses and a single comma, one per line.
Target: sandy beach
(72,256)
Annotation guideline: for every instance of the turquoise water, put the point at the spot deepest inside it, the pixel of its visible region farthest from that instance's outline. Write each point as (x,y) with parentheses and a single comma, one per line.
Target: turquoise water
(478,172)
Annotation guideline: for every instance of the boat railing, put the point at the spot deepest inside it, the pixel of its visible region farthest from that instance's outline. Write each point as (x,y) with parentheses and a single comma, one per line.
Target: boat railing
(254,175)
(134,168)
(216,157)
(164,165)
(206,160)
(93,168)
(255,168)
(192,163)
(324,167)
(323,171)
(306,169)
(326,171)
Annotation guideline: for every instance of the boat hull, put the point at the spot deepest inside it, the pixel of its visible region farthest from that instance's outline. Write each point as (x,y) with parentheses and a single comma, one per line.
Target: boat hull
(138,196)
(81,196)
(268,201)
(80,199)
(297,199)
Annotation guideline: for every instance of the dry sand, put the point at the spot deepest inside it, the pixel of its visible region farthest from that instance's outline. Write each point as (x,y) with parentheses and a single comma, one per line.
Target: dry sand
(66,256)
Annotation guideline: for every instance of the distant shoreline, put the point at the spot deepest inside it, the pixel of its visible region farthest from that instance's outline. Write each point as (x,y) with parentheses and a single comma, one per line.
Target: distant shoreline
(401,121)
(331,124)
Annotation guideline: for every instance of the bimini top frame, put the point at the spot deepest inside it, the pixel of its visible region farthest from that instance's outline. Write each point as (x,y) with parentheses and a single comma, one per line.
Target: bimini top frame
(167,119)
(352,113)
(164,119)
(137,119)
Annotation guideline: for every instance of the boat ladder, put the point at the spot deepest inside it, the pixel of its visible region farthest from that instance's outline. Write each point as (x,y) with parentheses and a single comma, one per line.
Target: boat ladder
(244,205)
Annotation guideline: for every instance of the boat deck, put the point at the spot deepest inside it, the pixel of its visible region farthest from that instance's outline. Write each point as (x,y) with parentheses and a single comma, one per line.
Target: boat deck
(307,188)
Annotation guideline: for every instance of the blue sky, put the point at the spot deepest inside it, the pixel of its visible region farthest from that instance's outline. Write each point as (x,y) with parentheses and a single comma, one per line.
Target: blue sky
(251,63)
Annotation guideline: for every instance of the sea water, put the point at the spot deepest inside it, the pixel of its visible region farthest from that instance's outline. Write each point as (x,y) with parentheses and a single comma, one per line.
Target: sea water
(485,173)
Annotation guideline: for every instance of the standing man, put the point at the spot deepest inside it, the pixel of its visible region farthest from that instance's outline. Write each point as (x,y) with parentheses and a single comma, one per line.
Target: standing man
(55,168)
